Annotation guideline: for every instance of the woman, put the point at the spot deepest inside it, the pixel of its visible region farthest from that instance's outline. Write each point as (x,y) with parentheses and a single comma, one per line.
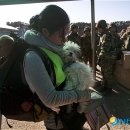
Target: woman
(47,30)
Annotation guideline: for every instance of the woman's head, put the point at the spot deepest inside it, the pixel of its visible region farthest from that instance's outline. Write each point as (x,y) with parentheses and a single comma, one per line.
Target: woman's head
(51,20)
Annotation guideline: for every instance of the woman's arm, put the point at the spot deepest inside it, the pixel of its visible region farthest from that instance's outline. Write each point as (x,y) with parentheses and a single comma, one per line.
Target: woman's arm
(39,81)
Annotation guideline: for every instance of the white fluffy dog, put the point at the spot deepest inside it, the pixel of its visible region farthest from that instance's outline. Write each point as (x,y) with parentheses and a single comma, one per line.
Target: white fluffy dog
(79,75)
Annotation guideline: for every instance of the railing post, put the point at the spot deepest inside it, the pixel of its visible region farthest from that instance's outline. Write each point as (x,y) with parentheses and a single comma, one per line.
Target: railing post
(93,36)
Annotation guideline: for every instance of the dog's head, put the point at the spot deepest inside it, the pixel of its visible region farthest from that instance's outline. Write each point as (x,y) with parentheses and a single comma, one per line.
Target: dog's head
(71,51)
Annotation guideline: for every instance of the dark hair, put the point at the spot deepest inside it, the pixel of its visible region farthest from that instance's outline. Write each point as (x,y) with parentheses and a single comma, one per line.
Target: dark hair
(101,24)
(74,26)
(52,18)
(113,25)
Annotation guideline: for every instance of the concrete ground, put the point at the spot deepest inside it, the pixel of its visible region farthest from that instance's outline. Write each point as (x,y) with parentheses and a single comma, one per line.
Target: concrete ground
(18,125)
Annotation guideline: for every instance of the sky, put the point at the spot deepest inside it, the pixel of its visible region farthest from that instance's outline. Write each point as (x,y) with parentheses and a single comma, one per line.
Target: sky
(78,11)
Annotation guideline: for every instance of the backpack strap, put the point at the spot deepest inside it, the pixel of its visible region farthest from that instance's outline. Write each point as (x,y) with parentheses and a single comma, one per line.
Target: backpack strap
(47,62)
(7,65)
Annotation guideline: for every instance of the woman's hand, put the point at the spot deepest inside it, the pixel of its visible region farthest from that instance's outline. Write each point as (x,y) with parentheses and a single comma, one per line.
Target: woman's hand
(83,95)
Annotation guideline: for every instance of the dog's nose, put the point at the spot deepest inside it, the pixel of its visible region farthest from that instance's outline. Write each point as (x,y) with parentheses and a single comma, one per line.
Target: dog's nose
(70,54)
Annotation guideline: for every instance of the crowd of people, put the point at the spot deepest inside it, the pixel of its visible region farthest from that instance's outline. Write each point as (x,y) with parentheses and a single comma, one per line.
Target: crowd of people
(109,46)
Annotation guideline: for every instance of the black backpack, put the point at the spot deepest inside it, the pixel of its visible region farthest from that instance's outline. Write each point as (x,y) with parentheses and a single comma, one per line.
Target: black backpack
(14,91)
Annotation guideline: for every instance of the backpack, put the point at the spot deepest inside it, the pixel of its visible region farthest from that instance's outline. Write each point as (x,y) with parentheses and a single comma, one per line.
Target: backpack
(16,96)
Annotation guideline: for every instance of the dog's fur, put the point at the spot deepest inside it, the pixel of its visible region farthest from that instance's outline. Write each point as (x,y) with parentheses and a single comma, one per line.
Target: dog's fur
(79,75)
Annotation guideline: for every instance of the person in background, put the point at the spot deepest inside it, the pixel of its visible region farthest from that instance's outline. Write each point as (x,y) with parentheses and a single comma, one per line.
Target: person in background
(108,57)
(47,32)
(126,39)
(86,48)
(122,32)
(101,29)
(74,36)
(117,43)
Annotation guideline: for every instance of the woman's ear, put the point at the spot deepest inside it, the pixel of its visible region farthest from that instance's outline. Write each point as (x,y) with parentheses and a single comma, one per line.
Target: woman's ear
(45,32)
